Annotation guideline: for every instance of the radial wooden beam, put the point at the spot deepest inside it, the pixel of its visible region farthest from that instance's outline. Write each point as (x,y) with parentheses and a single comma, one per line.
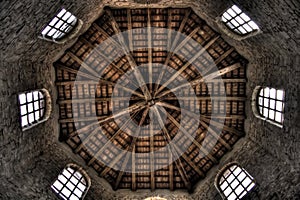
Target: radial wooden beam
(205,98)
(129,22)
(129,57)
(215,135)
(174,121)
(149,39)
(100,151)
(200,79)
(223,126)
(172,44)
(152,159)
(172,150)
(171,172)
(83,141)
(190,61)
(83,64)
(98,100)
(131,150)
(95,48)
(218,61)
(74,71)
(195,142)
(104,119)
(201,122)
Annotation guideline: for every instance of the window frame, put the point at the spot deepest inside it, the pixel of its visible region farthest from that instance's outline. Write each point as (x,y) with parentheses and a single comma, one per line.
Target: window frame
(46,108)
(255,105)
(240,183)
(66,35)
(231,32)
(76,169)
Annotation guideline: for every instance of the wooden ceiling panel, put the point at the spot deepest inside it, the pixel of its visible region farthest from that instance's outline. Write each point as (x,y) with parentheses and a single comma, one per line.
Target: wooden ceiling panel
(128,132)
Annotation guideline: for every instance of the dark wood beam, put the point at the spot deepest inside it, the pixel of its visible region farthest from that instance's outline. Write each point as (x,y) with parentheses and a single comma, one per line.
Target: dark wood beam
(186,65)
(172,151)
(199,80)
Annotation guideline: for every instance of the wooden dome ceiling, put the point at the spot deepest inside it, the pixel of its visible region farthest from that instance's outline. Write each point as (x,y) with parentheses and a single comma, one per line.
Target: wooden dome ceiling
(86,85)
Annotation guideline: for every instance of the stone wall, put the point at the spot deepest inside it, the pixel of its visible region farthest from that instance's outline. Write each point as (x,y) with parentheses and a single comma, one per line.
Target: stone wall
(31,160)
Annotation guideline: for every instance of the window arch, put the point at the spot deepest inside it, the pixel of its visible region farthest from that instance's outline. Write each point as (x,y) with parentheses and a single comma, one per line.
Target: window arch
(72,183)
(61,25)
(268,104)
(237,24)
(35,107)
(234,182)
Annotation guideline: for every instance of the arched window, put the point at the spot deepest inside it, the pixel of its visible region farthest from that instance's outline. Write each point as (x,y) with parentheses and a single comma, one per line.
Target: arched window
(62,24)
(238,23)
(35,107)
(72,183)
(234,182)
(268,104)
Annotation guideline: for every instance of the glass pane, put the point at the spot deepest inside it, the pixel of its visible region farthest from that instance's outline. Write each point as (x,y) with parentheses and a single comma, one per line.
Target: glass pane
(58,185)
(31,118)
(278,117)
(239,20)
(237,171)
(81,187)
(227,191)
(261,92)
(272,104)
(223,185)
(266,102)
(232,197)
(266,112)
(70,186)
(236,9)
(62,179)
(53,21)
(253,25)
(231,12)
(247,27)
(37,115)
(66,192)
(279,106)
(246,182)
(59,24)
(226,17)
(51,33)
(78,192)
(251,186)
(36,105)
(245,17)
(29,97)
(61,13)
(22,98)
(242,30)
(78,175)
(260,101)
(23,110)
(273,93)
(267,92)
(73,197)
(230,178)
(66,16)
(74,180)
(24,121)
(66,173)
(71,19)
(280,94)
(241,176)
(239,190)
(235,23)
(243,194)
(272,114)
(234,184)
(30,107)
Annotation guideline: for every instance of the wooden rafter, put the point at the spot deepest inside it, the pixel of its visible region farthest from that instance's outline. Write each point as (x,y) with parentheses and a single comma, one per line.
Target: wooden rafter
(184,67)
(173,151)
(199,80)
(129,57)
